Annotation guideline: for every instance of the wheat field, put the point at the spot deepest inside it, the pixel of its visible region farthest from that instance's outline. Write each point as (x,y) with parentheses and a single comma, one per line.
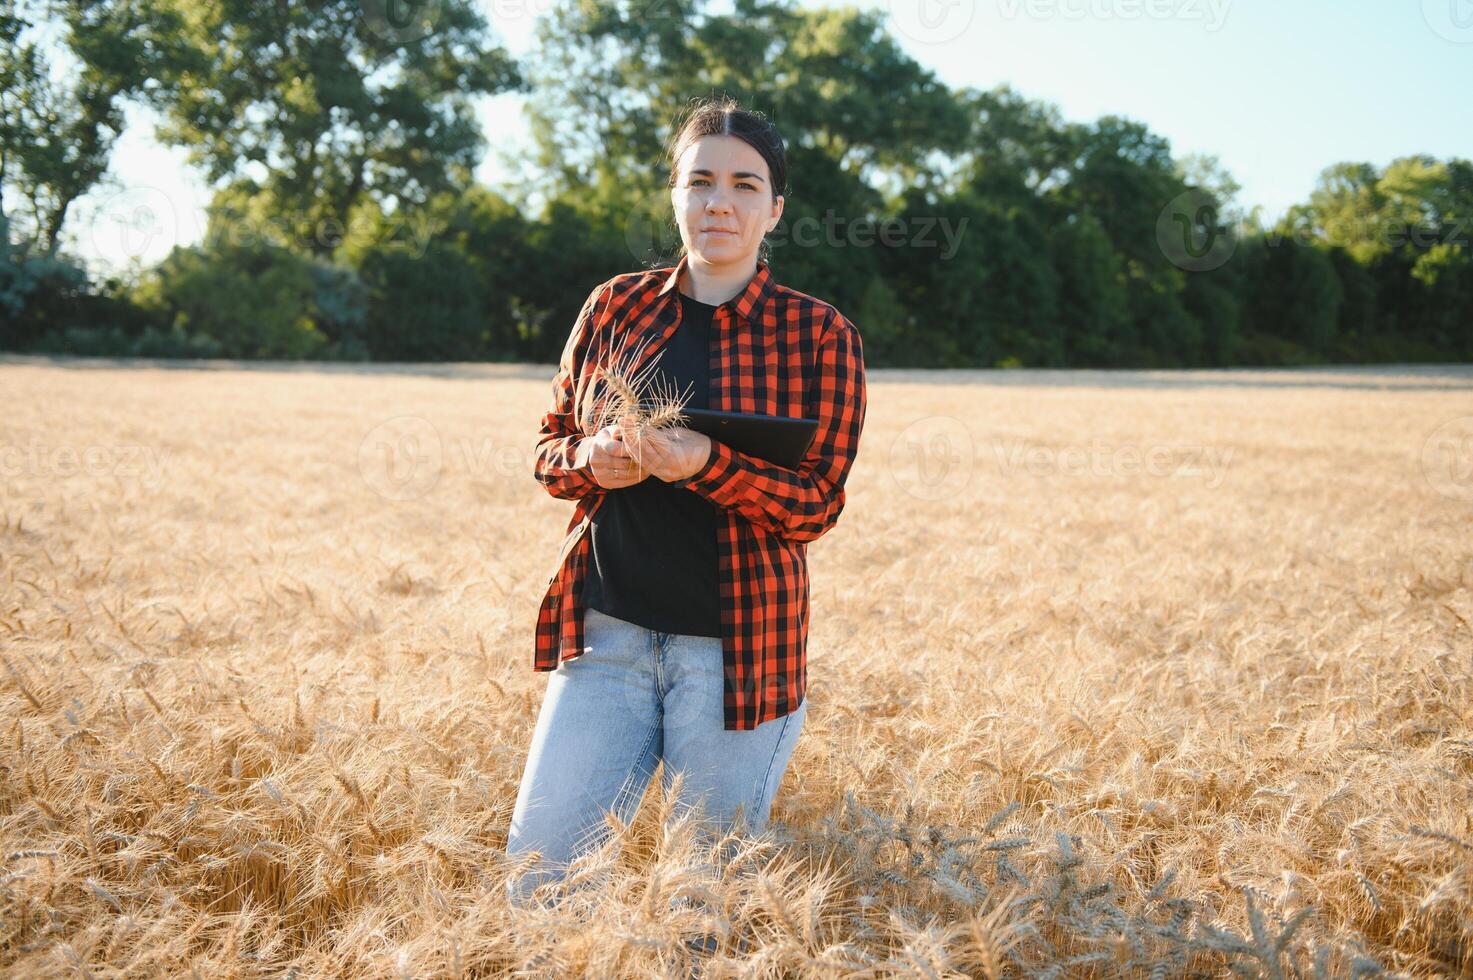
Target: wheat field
(1112,674)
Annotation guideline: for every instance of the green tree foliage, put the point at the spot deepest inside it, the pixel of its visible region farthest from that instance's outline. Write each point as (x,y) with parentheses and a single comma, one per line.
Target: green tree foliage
(423,307)
(956,227)
(252,300)
(1446,276)
(857,112)
(59,117)
(494,237)
(322,104)
(1357,325)
(38,294)
(1091,294)
(566,246)
(1294,293)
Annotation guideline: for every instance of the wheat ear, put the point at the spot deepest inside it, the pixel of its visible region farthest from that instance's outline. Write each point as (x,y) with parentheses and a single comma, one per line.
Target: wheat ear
(639,401)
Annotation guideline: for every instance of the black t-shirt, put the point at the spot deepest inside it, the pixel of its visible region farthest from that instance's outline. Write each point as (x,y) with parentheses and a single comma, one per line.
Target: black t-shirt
(654,545)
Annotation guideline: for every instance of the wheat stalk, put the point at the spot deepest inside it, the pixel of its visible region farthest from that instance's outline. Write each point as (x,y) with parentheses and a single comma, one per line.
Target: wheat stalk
(233,814)
(637,401)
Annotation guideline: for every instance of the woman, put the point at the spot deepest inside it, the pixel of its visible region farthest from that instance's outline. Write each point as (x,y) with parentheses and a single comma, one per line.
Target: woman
(676,621)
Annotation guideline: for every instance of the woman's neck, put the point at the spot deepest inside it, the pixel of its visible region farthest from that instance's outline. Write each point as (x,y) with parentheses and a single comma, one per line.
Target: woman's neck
(714,286)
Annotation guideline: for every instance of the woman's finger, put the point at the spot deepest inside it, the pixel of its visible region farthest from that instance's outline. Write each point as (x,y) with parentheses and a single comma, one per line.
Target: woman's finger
(616,448)
(639,449)
(651,452)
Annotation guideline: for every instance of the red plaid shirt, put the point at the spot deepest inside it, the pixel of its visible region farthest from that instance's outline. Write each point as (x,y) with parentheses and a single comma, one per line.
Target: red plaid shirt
(774,351)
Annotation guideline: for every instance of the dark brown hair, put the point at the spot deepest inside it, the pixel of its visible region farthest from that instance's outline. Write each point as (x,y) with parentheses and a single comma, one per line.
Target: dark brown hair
(723,116)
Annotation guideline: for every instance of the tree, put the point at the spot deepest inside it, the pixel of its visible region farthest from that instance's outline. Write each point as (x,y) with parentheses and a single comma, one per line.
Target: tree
(858,114)
(1017,150)
(322,104)
(1206,172)
(1123,175)
(1358,319)
(1446,274)
(253,300)
(1293,292)
(1091,293)
(58,122)
(613,75)
(423,307)
(1345,207)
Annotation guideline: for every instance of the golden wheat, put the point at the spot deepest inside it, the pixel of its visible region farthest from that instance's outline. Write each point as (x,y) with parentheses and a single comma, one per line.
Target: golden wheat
(265,686)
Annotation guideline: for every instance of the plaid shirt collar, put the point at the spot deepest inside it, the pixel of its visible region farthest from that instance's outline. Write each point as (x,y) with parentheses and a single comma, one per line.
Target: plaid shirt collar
(748,303)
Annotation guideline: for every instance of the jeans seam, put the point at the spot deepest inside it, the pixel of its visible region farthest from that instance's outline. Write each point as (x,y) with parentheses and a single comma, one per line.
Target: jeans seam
(656,649)
(648,738)
(767,776)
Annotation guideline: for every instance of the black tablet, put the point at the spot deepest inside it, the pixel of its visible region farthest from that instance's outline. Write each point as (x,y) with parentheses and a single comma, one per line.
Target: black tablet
(775,438)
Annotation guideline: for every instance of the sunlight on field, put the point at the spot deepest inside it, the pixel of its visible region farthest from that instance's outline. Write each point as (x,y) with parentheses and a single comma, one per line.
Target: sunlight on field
(1106,671)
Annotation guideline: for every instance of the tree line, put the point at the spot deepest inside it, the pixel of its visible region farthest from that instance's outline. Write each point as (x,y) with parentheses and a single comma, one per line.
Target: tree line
(954,227)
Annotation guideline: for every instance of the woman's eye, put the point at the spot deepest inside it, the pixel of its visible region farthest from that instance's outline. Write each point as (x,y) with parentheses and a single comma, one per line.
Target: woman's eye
(702,180)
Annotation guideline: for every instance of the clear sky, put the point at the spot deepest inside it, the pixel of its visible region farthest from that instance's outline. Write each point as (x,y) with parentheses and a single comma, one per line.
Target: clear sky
(1276,89)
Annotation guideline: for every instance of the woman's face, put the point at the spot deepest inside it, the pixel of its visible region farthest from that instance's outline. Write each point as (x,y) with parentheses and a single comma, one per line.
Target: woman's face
(723,200)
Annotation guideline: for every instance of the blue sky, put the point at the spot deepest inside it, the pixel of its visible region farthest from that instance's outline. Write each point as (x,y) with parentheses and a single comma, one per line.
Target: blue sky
(1276,89)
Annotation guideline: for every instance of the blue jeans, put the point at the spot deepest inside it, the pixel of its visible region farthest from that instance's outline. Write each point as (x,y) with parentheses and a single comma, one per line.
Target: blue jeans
(634,697)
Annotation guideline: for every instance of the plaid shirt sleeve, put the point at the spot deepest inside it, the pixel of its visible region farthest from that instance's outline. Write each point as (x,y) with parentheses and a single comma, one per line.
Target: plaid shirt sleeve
(555,463)
(802,504)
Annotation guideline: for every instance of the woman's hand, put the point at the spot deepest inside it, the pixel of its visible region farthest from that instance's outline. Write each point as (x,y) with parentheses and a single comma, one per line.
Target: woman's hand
(672,454)
(609,460)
